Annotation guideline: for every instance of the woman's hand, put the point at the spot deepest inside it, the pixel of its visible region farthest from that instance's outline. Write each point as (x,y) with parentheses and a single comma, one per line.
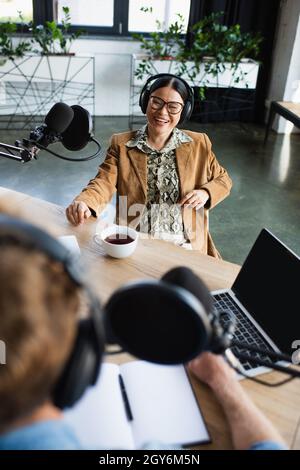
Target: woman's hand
(195,199)
(78,212)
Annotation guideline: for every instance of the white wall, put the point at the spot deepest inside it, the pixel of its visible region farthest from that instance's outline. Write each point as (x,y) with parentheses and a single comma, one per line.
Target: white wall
(285,81)
(112,72)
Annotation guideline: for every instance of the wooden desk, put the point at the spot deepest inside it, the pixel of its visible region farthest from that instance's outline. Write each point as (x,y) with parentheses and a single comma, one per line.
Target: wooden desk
(151,259)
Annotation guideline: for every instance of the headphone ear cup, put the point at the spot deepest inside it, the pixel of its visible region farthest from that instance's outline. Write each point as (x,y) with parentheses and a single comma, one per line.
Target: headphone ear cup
(83,366)
(144,98)
(186,112)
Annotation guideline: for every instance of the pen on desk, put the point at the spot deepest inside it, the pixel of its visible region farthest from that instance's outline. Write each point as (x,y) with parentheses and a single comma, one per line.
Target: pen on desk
(125,399)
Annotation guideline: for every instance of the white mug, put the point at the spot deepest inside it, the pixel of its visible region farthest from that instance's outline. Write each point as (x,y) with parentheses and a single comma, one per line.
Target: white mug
(116,250)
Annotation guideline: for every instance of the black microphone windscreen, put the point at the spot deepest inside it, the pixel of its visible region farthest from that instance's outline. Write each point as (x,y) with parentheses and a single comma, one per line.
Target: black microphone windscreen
(78,134)
(183,277)
(156,322)
(187,279)
(59,117)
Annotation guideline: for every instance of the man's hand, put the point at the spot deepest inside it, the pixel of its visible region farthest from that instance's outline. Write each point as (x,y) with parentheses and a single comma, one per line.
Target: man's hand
(195,199)
(212,370)
(78,212)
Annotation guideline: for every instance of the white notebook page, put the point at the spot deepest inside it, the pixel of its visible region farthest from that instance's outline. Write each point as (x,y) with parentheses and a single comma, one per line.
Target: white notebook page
(99,418)
(163,405)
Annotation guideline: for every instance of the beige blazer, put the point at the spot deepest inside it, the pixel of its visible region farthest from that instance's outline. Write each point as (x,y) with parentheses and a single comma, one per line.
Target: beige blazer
(125,170)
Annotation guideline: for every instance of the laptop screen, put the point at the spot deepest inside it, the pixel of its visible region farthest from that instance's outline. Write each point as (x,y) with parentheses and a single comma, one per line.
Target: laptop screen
(268,286)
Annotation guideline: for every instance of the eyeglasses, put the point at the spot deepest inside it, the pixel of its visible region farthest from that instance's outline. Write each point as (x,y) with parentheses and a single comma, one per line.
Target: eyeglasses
(173,107)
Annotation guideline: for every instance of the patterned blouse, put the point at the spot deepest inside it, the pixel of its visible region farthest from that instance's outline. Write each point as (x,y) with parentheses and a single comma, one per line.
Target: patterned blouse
(163,216)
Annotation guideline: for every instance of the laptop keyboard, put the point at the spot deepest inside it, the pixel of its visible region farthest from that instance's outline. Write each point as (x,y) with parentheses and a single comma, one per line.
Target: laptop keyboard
(245,331)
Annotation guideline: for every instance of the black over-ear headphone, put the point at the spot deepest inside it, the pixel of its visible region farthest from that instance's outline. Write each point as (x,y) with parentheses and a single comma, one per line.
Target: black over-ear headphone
(189,102)
(83,365)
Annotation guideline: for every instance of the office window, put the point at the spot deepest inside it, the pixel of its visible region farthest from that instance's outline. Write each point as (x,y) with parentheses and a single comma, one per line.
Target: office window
(9,10)
(113,17)
(165,11)
(88,12)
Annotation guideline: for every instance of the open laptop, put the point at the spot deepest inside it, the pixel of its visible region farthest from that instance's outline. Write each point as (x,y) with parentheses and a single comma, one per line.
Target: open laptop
(264,300)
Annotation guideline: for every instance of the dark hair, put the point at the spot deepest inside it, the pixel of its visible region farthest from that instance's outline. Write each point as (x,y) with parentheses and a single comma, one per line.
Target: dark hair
(172,82)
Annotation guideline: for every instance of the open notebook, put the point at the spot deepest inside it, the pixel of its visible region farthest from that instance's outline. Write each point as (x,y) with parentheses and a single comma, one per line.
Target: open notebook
(161,401)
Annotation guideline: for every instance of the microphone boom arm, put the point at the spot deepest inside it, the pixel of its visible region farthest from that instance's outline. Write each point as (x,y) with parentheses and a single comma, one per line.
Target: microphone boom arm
(26,155)
(23,155)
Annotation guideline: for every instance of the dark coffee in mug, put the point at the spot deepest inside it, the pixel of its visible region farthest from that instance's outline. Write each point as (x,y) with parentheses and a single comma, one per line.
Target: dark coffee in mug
(119,239)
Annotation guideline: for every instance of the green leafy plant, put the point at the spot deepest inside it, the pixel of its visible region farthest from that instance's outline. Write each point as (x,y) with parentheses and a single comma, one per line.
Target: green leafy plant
(12,48)
(163,44)
(214,46)
(54,39)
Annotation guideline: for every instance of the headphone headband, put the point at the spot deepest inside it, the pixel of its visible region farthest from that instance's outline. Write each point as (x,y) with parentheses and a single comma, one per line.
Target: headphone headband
(189,102)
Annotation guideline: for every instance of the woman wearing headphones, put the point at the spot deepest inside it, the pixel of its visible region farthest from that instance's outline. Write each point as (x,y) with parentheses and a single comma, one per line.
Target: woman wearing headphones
(166,179)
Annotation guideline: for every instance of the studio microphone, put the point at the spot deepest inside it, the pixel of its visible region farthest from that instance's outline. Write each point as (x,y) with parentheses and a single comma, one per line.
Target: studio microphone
(79,132)
(70,125)
(170,321)
(220,337)
(173,320)
(56,122)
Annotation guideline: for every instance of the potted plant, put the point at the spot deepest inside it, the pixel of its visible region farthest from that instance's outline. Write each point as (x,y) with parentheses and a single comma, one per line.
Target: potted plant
(48,74)
(219,63)
(54,39)
(221,66)
(162,45)
(11,48)
(216,47)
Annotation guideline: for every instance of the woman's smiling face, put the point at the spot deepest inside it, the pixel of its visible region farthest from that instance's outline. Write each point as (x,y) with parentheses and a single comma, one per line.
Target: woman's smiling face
(160,120)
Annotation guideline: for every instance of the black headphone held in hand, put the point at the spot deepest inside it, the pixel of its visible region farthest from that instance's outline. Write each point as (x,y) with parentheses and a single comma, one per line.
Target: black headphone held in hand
(83,365)
(189,102)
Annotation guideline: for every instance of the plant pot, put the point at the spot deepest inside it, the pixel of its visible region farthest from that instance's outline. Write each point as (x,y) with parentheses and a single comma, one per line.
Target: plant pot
(58,54)
(223,105)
